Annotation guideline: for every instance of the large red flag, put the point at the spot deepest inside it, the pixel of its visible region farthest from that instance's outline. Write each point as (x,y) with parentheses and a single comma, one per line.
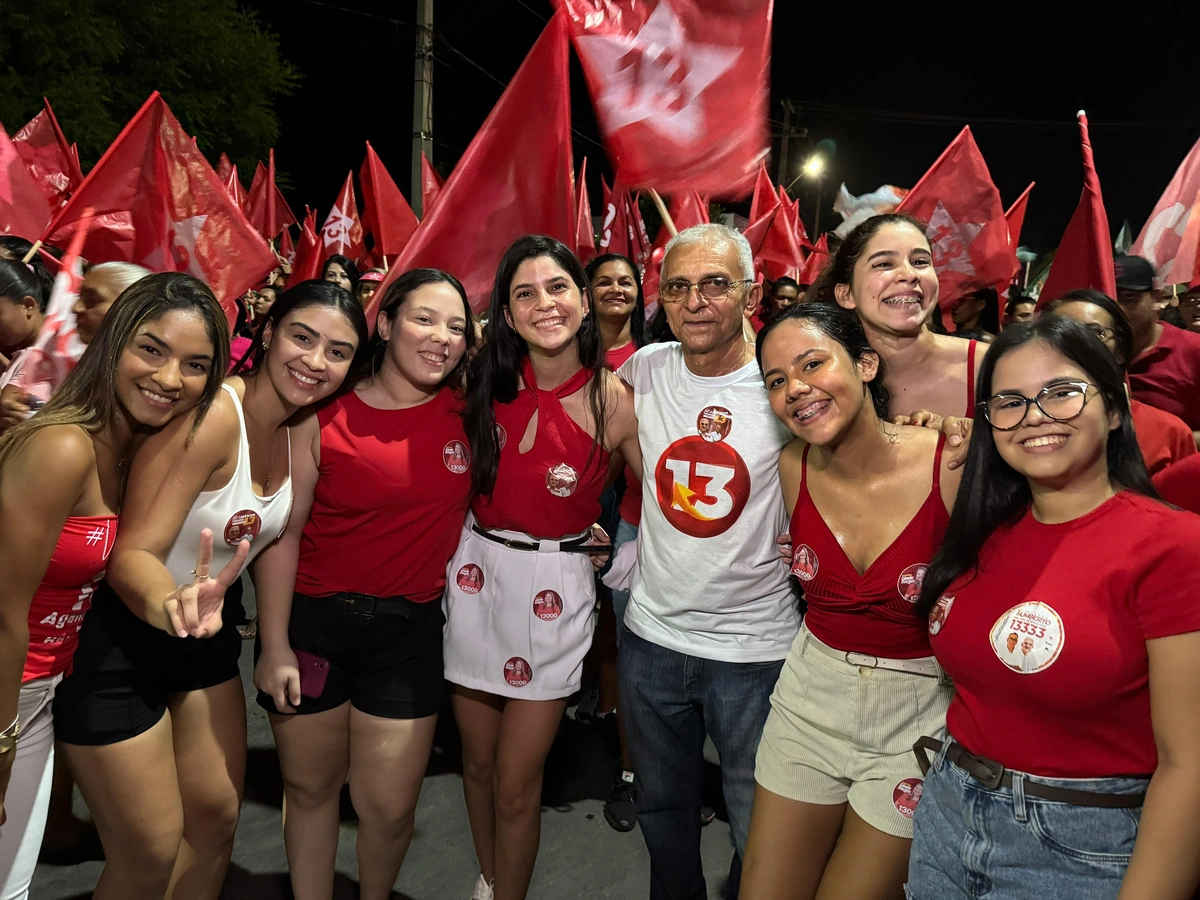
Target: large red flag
(159,203)
(685,210)
(1084,258)
(343,232)
(310,254)
(224,166)
(505,185)
(816,262)
(791,210)
(389,217)
(773,241)
(265,206)
(258,185)
(49,158)
(1161,240)
(431,184)
(680,88)
(967,229)
(623,229)
(1015,215)
(287,247)
(585,237)
(24,209)
(764,199)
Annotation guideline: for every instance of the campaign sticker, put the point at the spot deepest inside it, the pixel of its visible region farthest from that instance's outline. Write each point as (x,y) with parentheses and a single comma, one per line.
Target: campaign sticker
(457,457)
(469,579)
(517,672)
(1029,637)
(701,486)
(547,606)
(906,795)
(940,612)
(805,563)
(243,525)
(714,423)
(910,581)
(501,435)
(561,480)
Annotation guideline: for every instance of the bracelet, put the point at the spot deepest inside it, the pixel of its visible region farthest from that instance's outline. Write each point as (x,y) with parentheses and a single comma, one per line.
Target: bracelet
(12,730)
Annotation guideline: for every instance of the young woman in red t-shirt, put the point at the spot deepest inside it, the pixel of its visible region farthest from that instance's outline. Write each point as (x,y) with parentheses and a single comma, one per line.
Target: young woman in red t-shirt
(350,620)
(1064,605)
(543,415)
(160,353)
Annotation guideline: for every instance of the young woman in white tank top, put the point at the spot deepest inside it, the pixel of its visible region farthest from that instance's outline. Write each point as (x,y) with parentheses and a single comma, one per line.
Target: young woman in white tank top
(166,798)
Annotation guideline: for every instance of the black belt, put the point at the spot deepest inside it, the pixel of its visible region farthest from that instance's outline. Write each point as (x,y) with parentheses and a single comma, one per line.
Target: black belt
(992,775)
(578,545)
(367,605)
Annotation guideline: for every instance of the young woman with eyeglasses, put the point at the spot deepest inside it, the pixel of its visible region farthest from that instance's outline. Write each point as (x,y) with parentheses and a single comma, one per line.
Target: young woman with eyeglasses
(1063,604)
(1163,437)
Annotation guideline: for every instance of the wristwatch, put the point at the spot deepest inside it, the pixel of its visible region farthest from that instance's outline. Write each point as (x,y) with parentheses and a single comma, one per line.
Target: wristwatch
(8,737)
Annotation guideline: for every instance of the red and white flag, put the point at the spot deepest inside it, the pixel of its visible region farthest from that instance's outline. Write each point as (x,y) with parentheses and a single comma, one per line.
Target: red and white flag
(680,88)
(431,184)
(287,247)
(265,206)
(24,209)
(310,253)
(342,232)
(388,216)
(53,163)
(967,229)
(159,203)
(685,210)
(585,237)
(1162,239)
(1084,258)
(623,229)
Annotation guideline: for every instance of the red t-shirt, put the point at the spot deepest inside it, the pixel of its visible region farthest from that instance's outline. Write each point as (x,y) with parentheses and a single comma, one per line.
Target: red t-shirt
(1180,483)
(1046,643)
(1163,438)
(390,500)
(1168,375)
(630,507)
(617,357)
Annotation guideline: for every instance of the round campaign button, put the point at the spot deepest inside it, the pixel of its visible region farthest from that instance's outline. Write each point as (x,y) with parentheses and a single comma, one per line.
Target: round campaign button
(940,612)
(714,423)
(457,457)
(243,525)
(906,795)
(1029,637)
(910,581)
(805,563)
(547,605)
(501,435)
(561,480)
(469,579)
(518,672)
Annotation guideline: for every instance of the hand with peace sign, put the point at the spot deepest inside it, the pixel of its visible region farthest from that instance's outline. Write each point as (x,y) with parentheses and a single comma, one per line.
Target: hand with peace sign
(195,609)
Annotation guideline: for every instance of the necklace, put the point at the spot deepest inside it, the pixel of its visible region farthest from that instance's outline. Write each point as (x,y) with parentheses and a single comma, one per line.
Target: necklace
(271,442)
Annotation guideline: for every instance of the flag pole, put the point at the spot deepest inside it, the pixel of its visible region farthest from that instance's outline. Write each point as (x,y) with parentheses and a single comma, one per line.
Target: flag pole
(37,245)
(662,211)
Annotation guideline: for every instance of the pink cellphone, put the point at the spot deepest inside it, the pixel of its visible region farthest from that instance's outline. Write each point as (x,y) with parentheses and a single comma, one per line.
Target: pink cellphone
(313,672)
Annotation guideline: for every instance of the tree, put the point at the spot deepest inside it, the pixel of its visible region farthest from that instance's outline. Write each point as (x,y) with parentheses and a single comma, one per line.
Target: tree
(98,60)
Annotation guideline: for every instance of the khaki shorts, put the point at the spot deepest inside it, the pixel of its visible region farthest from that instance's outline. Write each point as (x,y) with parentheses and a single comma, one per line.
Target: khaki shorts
(841,733)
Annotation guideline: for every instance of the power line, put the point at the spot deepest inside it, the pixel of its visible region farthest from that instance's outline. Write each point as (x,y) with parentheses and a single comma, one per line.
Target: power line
(533,11)
(358,12)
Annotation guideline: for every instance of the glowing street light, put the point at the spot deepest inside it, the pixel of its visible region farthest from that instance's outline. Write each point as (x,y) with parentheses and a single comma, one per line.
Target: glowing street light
(815,166)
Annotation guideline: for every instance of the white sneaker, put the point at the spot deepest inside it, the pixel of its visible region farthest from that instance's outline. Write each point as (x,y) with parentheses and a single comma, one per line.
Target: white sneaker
(483,890)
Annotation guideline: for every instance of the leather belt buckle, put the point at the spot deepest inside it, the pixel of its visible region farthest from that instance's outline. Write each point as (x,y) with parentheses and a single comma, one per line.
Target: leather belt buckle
(873,664)
(987,772)
(360,604)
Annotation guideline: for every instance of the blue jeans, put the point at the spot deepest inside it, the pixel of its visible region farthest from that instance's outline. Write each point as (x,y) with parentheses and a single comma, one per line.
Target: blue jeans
(1006,845)
(669,700)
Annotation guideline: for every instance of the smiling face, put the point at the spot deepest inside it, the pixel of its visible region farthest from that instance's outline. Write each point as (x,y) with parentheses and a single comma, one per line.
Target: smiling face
(338,276)
(813,385)
(164,368)
(614,290)
(545,307)
(707,326)
(893,286)
(309,354)
(1049,453)
(427,337)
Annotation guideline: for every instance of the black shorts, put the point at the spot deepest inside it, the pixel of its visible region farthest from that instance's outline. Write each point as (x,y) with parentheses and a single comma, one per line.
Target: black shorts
(125,669)
(387,665)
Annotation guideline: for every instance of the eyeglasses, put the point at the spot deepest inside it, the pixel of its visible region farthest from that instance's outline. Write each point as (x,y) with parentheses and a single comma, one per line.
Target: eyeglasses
(1061,402)
(678,289)
(1098,330)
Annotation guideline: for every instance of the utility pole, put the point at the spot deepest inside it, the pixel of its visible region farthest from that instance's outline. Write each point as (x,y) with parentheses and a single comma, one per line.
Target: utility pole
(789,108)
(422,100)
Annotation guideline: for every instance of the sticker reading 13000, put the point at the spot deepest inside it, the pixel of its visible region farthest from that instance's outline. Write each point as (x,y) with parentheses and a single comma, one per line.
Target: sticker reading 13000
(1029,637)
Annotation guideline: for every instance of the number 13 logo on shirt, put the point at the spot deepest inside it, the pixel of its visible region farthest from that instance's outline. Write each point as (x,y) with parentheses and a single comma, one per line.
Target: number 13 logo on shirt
(702,487)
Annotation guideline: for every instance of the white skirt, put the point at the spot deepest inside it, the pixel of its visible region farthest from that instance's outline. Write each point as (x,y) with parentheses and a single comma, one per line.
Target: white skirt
(518,622)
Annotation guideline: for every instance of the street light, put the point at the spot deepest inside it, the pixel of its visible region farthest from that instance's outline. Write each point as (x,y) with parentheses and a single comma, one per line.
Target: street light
(814,168)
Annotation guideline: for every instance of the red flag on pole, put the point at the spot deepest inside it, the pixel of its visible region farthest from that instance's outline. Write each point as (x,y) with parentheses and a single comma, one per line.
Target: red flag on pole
(265,206)
(680,88)
(287,247)
(224,166)
(310,253)
(1015,216)
(685,210)
(773,242)
(585,237)
(1084,258)
(505,185)
(967,229)
(816,262)
(791,210)
(342,232)
(623,230)
(431,183)
(24,209)
(51,161)
(1161,240)
(233,187)
(389,217)
(159,203)
(765,199)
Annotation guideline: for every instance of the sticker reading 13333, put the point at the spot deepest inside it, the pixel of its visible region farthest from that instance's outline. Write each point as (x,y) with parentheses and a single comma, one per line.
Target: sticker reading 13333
(1029,637)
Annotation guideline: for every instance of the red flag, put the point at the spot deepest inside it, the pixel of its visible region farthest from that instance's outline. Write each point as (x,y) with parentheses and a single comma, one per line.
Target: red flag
(967,229)
(685,210)
(224,166)
(24,209)
(505,185)
(791,210)
(287,249)
(309,254)
(431,183)
(680,88)
(1084,258)
(1015,216)
(343,232)
(233,187)
(773,241)
(585,237)
(160,204)
(1162,239)
(765,199)
(623,230)
(389,217)
(51,161)
(265,206)
(816,262)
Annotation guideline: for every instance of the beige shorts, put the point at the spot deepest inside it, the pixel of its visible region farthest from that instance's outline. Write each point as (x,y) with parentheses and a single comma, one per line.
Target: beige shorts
(841,733)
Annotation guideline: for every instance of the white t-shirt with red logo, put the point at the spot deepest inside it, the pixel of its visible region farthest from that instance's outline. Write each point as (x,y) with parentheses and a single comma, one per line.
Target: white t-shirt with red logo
(710,579)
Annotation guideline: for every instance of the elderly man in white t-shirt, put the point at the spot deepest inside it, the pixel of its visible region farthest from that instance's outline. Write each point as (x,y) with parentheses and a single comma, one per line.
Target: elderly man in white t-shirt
(711,615)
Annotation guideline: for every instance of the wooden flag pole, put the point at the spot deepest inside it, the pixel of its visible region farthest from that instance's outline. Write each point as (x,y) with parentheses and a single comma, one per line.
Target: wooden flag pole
(662,211)
(32,252)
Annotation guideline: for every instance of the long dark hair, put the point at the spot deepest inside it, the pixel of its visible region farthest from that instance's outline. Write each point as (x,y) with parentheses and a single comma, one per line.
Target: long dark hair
(18,280)
(1122,330)
(992,493)
(841,268)
(493,374)
(347,266)
(842,326)
(19,247)
(637,321)
(88,397)
(399,291)
(302,296)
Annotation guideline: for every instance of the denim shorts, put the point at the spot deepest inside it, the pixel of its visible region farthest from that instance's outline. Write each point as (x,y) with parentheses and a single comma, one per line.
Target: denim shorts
(1006,845)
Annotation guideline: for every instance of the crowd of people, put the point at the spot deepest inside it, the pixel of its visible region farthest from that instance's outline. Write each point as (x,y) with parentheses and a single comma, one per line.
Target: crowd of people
(933,600)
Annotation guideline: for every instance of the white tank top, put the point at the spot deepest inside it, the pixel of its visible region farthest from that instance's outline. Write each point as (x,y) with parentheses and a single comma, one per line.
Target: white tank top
(234,512)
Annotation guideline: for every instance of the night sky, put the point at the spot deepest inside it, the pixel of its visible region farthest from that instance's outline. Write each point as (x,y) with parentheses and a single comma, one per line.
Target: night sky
(890,89)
